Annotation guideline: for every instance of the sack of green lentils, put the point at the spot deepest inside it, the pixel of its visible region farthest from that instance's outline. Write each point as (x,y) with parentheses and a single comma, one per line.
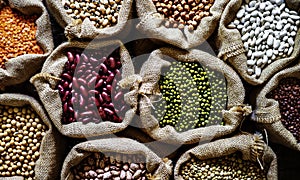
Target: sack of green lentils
(277,106)
(23,55)
(259,38)
(180,23)
(37,145)
(92,19)
(189,96)
(114,157)
(241,157)
(78,86)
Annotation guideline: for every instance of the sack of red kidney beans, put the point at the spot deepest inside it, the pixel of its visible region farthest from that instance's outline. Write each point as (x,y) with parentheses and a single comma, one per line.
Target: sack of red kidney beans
(82,80)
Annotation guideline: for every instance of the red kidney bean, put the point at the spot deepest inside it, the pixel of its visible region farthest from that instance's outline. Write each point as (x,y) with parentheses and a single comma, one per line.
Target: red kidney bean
(65,85)
(101,99)
(86,120)
(77,59)
(108,111)
(83,92)
(66,76)
(65,96)
(71,110)
(81,100)
(118,96)
(87,113)
(70,56)
(81,81)
(109,88)
(105,96)
(93,92)
(93,61)
(75,83)
(103,68)
(99,83)
(65,107)
(90,87)
(110,77)
(85,58)
(112,62)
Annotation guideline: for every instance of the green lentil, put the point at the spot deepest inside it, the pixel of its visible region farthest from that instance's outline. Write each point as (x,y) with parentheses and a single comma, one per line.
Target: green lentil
(192,96)
(226,167)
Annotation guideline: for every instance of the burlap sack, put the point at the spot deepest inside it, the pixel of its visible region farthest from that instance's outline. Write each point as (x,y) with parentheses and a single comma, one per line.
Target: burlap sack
(150,74)
(244,143)
(51,150)
(85,29)
(50,97)
(231,48)
(267,112)
(155,165)
(21,68)
(151,24)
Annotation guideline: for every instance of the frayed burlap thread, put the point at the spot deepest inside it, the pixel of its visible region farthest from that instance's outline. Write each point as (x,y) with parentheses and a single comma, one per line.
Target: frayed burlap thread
(51,150)
(230,39)
(46,82)
(267,112)
(150,73)
(243,143)
(21,68)
(156,166)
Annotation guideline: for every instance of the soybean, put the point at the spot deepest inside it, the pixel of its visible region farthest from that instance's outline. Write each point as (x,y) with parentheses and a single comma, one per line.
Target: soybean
(21,134)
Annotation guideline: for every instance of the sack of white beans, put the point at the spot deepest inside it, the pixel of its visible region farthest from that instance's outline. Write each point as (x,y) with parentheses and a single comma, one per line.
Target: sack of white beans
(189,96)
(32,148)
(114,158)
(243,156)
(259,38)
(92,19)
(26,40)
(278,107)
(185,24)
(79,88)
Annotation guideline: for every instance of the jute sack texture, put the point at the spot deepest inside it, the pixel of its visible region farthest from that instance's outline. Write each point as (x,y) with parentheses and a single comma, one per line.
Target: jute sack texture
(154,164)
(46,81)
(85,29)
(244,143)
(231,48)
(267,112)
(21,68)
(150,75)
(51,150)
(152,24)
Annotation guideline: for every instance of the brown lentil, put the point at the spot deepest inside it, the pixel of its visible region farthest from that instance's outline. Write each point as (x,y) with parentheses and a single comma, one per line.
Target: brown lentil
(111,166)
(88,87)
(19,141)
(288,96)
(183,12)
(17,32)
(102,13)
(226,167)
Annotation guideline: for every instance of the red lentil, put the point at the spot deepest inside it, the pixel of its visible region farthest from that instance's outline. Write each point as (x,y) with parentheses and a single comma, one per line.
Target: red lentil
(17,32)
